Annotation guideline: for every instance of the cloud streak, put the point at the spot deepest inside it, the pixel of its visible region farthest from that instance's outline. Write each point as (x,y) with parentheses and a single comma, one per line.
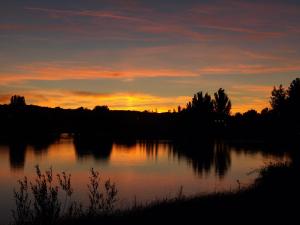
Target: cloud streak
(84,13)
(226,18)
(230,21)
(61,72)
(249,69)
(71,71)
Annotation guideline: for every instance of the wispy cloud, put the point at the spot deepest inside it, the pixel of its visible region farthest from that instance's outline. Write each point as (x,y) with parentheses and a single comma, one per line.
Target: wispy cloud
(249,69)
(127,70)
(49,71)
(261,34)
(86,13)
(229,20)
(10,26)
(263,90)
(254,19)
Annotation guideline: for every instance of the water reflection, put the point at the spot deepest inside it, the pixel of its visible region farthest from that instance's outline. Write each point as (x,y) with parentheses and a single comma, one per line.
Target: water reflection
(98,149)
(204,157)
(152,147)
(17,155)
(18,148)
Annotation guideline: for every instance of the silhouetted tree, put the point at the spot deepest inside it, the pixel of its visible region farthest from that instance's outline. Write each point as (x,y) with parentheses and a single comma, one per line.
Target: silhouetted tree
(197,100)
(17,100)
(207,103)
(179,108)
(189,106)
(293,96)
(238,115)
(201,104)
(103,108)
(222,103)
(278,99)
(265,111)
(251,114)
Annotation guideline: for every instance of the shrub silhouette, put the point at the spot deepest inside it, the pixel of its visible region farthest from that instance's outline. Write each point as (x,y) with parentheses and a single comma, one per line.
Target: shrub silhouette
(46,206)
(101,203)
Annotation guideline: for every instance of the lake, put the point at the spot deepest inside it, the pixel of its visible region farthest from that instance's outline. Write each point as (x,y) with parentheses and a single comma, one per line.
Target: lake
(142,170)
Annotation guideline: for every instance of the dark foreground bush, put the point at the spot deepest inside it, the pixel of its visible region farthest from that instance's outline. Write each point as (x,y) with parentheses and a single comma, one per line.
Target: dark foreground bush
(47,201)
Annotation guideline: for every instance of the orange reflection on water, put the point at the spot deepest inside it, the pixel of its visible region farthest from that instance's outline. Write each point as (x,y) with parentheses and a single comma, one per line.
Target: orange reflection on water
(127,155)
(59,155)
(139,153)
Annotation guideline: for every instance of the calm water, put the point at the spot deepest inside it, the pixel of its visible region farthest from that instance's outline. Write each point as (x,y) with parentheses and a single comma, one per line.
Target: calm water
(145,170)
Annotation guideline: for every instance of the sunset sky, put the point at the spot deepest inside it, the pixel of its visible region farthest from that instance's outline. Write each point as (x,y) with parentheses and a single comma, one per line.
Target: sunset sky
(146,55)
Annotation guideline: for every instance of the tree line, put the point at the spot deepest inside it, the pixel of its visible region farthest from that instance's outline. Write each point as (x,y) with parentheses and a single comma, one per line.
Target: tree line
(203,114)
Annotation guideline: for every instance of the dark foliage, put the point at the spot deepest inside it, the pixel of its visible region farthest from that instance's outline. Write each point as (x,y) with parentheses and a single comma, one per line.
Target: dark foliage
(47,201)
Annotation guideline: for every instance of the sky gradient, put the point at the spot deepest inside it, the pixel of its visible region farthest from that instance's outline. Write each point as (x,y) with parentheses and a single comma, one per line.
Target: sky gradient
(146,55)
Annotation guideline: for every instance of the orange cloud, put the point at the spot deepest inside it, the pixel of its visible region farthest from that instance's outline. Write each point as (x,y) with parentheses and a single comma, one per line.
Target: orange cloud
(200,58)
(64,72)
(148,62)
(249,69)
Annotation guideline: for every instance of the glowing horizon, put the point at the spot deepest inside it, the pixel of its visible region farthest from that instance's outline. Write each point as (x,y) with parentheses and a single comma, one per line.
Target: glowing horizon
(117,101)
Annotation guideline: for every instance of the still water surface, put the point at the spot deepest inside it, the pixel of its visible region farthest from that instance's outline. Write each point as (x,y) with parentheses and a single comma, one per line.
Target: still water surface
(145,170)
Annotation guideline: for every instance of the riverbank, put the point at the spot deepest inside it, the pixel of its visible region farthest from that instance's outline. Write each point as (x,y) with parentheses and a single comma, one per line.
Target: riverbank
(272,199)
